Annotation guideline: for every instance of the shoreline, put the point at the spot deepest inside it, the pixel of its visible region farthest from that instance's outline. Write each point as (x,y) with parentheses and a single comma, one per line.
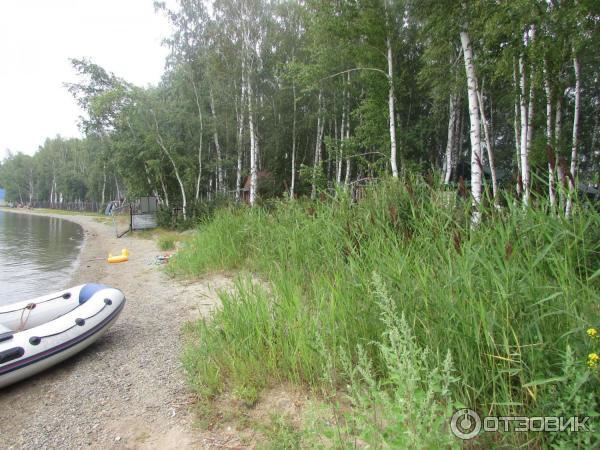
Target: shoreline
(128,390)
(71,218)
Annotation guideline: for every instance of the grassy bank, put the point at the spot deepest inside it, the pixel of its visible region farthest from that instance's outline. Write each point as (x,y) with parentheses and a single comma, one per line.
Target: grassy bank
(397,302)
(166,240)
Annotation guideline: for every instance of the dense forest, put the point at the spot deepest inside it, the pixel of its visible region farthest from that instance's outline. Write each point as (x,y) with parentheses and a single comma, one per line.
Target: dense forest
(312,95)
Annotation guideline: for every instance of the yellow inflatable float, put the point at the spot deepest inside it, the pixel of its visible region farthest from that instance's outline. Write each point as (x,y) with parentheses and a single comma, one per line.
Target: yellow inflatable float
(124,256)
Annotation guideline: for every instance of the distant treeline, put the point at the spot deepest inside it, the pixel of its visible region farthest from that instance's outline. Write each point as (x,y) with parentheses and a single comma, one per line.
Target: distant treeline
(324,93)
(61,172)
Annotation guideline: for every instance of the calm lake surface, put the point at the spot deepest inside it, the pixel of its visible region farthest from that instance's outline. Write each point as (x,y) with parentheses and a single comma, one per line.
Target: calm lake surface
(37,255)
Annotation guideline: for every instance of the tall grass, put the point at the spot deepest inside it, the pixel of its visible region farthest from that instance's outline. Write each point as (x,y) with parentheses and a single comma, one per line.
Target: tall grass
(505,299)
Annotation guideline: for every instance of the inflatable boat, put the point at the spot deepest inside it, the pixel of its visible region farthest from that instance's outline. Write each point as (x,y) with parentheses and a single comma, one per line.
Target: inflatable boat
(39,333)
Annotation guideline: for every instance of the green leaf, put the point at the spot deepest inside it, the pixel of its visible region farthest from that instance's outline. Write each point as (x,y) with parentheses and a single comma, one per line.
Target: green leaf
(544,381)
(596,274)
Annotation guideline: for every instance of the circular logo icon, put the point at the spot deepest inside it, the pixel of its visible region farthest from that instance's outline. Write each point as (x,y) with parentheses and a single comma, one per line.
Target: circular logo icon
(465,424)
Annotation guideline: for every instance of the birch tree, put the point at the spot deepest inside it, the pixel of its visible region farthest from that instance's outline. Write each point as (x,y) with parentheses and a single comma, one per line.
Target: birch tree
(452,118)
(317,160)
(526,116)
(573,166)
(391,97)
(488,144)
(169,153)
(476,175)
(550,147)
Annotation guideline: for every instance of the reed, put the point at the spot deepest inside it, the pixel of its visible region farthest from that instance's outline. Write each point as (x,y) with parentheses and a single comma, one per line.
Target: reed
(507,300)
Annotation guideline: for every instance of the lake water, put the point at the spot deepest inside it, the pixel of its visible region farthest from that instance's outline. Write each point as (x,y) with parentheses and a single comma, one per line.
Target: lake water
(37,255)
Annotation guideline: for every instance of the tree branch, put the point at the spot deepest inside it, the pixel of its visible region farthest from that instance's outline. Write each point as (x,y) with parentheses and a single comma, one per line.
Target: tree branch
(354,70)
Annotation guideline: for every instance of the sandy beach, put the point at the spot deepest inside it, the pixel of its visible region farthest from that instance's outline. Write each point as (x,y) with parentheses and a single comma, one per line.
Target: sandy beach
(127,390)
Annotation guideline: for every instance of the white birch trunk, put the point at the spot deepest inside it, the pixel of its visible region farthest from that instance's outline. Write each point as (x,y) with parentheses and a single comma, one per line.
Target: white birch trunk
(488,146)
(151,185)
(530,111)
(220,186)
(475,127)
(166,151)
(348,159)
(118,190)
(523,145)
(348,174)
(392,107)
(200,137)
(339,157)
(526,122)
(293,180)
(576,113)
(238,175)
(103,183)
(450,142)
(164,188)
(516,123)
(30,186)
(253,143)
(52,190)
(458,134)
(240,142)
(318,146)
(560,175)
(549,139)
(329,165)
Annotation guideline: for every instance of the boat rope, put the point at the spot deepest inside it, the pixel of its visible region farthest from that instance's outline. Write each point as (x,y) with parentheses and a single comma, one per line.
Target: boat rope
(23,320)
(35,340)
(66,296)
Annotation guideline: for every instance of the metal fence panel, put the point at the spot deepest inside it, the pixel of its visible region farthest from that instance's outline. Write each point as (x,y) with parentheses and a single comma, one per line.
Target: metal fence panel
(143,221)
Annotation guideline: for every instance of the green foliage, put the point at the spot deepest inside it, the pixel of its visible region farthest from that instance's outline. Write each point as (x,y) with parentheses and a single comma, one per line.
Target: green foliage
(166,242)
(17,175)
(63,167)
(282,435)
(405,407)
(198,213)
(572,394)
(502,299)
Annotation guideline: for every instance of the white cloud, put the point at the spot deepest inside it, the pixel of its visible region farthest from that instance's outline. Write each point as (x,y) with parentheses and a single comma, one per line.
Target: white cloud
(37,38)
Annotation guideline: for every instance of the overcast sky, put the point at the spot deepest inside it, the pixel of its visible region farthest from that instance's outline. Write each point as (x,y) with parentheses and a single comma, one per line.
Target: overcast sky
(37,38)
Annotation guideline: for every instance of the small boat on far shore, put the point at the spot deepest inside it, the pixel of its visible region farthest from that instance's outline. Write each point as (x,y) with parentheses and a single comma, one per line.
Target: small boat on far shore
(39,333)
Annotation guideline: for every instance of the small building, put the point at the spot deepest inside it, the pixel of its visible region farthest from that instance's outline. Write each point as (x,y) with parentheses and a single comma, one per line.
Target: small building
(2,197)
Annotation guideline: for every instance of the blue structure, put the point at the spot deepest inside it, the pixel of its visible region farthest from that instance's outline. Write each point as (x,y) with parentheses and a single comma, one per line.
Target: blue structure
(1,195)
